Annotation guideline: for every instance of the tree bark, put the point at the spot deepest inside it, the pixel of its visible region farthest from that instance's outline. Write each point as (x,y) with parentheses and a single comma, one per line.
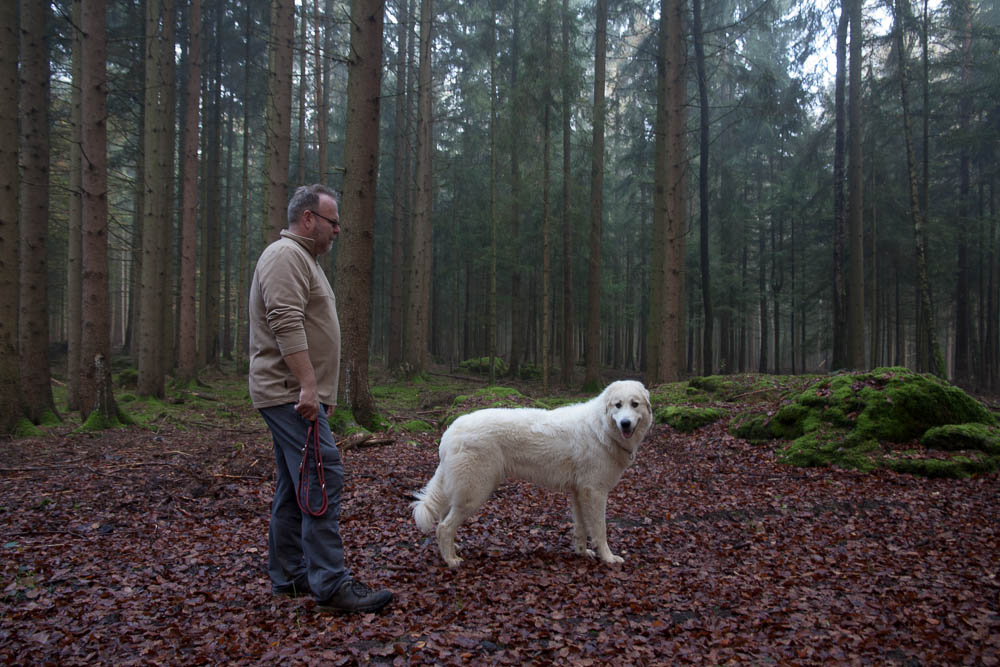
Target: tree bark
(929,357)
(963,374)
(592,374)
(665,342)
(546,178)
(354,259)
(74,299)
(855,222)
(157,202)
(492,315)
(279,121)
(96,397)
(400,187)
(703,140)
(517,345)
(187,348)
(415,353)
(33,322)
(568,340)
(11,405)
(839,359)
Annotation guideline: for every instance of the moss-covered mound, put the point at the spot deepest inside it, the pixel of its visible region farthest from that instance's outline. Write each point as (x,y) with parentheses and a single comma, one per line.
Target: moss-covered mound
(686,419)
(342,422)
(481,366)
(488,397)
(847,420)
(417,426)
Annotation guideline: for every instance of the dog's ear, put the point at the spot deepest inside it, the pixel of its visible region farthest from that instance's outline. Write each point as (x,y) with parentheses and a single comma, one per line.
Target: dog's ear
(649,405)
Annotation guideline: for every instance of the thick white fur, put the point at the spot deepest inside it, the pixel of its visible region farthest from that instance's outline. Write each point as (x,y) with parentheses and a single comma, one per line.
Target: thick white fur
(581,449)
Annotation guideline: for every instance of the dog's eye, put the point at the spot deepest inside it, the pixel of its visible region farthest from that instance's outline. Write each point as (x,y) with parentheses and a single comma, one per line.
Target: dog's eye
(618,404)
(635,404)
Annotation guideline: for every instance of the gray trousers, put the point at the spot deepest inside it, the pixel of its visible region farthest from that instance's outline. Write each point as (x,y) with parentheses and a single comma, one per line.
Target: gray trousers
(303,548)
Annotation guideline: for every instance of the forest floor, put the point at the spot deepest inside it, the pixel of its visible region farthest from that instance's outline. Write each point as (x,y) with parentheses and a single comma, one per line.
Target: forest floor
(147,545)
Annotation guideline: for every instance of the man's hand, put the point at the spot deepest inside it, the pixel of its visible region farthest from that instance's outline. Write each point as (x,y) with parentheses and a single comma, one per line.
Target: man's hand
(301,367)
(308,405)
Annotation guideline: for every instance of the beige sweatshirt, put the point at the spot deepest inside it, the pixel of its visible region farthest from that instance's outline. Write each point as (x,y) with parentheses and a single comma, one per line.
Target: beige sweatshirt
(292,308)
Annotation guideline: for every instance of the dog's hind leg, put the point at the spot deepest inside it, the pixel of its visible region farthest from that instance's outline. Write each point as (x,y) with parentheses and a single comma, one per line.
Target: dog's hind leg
(579,528)
(464,504)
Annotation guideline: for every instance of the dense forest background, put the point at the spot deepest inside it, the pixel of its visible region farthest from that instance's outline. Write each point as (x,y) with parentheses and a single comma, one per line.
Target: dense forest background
(664,187)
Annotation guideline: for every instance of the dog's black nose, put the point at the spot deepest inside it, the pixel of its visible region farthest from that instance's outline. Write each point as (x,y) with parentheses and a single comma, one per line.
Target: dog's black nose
(626,425)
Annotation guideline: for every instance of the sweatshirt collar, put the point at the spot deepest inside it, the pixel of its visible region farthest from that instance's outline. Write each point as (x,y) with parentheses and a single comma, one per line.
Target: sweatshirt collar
(304,241)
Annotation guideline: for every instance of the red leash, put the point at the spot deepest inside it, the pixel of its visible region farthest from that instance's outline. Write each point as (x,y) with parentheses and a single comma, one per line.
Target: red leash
(312,438)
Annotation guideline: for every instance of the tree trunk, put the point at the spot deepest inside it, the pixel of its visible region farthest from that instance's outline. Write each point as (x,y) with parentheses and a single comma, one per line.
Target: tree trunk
(11,405)
(963,374)
(157,202)
(568,347)
(241,304)
(546,158)
(33,322)
(279,121)
(703,135)
(96,397)
(517,336)
(400,186)
(354,259)
(666,322)
(302,99)
(74,250)
(855,223)
(492,323)
(415,353)
(839,359)
(187,348)
(212,219)
(929,357)
(592,374)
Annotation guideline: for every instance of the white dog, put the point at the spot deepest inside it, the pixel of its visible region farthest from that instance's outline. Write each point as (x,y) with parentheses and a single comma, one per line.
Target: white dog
(582,449)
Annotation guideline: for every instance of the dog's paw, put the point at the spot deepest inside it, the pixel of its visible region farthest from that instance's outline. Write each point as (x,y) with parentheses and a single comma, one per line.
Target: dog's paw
(613,559)
(453,562)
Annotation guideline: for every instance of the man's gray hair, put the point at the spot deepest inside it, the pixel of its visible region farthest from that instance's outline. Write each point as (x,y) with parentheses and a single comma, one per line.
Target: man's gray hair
(307,197)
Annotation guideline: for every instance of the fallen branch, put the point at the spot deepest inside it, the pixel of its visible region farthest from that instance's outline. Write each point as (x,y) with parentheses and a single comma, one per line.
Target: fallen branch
(363,440)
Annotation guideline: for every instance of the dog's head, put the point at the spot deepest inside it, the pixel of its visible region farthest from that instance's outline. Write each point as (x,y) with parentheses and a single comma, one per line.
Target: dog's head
(627,407)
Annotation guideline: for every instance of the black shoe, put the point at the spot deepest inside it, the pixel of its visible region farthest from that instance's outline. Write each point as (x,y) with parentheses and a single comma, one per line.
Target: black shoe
(295,589)
(353,596)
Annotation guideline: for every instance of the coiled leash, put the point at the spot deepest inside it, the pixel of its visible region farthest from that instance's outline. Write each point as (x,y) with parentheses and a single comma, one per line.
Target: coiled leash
(312,442)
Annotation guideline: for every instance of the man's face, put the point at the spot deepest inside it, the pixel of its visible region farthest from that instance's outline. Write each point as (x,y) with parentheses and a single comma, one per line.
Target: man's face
(323,231)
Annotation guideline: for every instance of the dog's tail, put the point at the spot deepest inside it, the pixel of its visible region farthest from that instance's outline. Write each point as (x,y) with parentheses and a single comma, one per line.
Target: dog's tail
(430,501)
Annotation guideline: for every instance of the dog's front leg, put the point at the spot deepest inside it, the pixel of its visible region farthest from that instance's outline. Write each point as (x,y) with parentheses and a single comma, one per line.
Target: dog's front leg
(592,508)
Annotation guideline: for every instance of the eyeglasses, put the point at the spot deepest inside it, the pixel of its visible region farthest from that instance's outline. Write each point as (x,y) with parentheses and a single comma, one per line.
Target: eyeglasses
(333,223)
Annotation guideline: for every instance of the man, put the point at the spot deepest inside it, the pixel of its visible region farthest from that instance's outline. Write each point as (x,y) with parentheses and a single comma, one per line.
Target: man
(294,368)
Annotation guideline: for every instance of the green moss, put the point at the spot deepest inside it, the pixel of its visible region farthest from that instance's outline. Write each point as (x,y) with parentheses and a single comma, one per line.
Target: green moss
(25,429)
(98,421)
(49,418)
(752,427)
(481,366)
(417,426)
(963,436)
(830,446)
(901,405)
(956,467)
(487,397)
(840,420)
(342,422)
(687,419)
(128,377)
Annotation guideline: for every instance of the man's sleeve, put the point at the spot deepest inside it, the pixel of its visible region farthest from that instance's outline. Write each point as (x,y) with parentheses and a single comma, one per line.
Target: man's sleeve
(284,286)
